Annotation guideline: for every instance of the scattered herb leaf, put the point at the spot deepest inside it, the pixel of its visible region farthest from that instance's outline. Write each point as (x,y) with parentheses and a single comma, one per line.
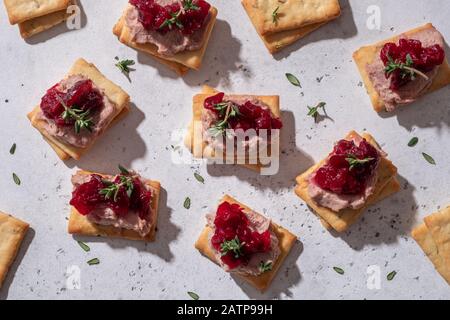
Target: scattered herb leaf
(199,178)
(413,142)
(124,66)
(84,246)
(13,149)
(314,111)
(16,179)
(391,275)
(93,261)
(429,158)
(338,270)
(187,203)
(193,295)
(293,80)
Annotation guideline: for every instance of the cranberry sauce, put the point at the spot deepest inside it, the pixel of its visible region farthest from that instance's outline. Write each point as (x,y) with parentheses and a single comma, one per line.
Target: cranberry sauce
(249,115)
(188,18)
(232,225)
(409,53)
(339,176)
(90,196)
(82,96)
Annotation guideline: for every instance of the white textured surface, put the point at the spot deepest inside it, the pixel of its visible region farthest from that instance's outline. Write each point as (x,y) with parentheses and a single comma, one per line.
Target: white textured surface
(235,61)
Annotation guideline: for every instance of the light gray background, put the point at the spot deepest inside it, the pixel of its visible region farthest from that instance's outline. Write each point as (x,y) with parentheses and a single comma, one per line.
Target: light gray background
(236,61)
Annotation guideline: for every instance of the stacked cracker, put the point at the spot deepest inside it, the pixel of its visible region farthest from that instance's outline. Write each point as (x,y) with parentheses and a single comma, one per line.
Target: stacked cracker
(433,236)
(35,16)
(280,23)
(181,62)
(201,149)
(113,92)
(386,185)
(12,232)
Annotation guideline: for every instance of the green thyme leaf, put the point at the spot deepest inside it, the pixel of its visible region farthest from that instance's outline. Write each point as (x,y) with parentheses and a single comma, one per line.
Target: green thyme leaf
(93,261)
(265,266)
(293,80)
(193,295)
(391,275)
(199,178)
(413,142)
(13,149)
(353,161)
(124,66)
(16,179)
(187,203)
(189,5)
(429,158)
(275,15)
(123,170)
(339,270)
(84,246)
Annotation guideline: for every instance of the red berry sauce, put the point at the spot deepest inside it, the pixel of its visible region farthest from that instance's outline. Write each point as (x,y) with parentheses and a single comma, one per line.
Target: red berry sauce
(154,16)
(251,116)
(87,198)
(336,175)
(231,222)
(82,96)
(424,58)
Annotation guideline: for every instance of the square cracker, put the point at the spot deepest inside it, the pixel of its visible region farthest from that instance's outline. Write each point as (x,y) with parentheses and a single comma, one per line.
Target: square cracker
(39,24)
(12,233)
(114,93)
(180,62)
(261,282)
(80,225)
(292,14)
(23,10)
(367,54)
(342,220)
(423,237)
(194,140)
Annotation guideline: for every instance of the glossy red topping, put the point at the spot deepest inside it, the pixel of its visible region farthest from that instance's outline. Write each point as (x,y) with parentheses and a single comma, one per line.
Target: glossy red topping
(82,96)
(338,176)
(232,224)
(172,17)
(250,116)
(88,197)
(411,53)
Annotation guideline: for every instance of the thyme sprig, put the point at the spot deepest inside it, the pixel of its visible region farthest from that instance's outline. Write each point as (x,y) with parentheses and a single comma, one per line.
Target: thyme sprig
(406,68)
(234,245)
(226,110)
(174,20)
(81,117)
(354,161)
(124,66)
(112,189)
(314,111)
